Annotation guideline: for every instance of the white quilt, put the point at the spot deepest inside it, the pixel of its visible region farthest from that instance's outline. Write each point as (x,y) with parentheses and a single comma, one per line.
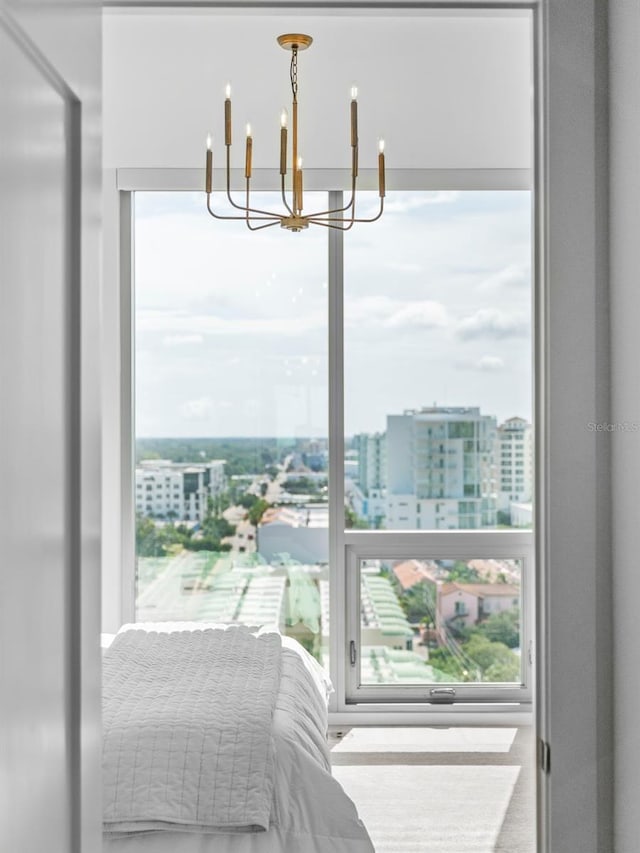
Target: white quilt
(310,812)
(187,723)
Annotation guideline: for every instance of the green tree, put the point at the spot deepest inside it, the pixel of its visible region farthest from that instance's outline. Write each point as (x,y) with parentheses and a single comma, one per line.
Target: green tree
(257,511)
(463,573)
(353,521)
(419,602)
(444,661)
(487,654)
(148,543)
(503,627)
(503,671)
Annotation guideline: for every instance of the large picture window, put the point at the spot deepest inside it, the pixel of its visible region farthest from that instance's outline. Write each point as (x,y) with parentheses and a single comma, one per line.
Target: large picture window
(240,462)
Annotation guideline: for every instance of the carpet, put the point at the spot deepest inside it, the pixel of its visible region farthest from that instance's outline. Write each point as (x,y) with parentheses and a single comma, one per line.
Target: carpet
(407,739)
(410,808)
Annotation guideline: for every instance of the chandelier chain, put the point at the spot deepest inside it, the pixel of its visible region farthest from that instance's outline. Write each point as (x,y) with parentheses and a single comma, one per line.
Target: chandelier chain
(294,73)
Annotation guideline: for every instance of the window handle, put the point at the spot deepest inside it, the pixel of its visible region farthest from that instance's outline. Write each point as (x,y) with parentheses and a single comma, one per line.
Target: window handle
(352,652)
(442,694)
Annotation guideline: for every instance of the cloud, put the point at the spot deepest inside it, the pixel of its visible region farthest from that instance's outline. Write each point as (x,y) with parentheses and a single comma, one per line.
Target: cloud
(490,363)
(414,202)
(202,408)
(514,275)
(404,267)
(406,202)
(182,325)
(382,311)
(425,314)
(494,324)
(181,340)
(485,364)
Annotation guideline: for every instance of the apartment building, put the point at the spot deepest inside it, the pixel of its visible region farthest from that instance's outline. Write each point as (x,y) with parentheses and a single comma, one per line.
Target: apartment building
(177,491)
(440,469)
(370,502)
(514,463)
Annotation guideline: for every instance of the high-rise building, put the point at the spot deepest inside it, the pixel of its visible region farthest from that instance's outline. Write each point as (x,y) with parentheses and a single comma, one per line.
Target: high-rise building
(372,476)
(177,491)
(514,462)
(440,469)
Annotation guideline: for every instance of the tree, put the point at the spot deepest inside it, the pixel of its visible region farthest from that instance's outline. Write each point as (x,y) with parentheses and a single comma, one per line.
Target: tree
(463,573)
(503,627)
(353,521)
(419,602)
(487,654)
(444,661)
(148,543)
(257,511)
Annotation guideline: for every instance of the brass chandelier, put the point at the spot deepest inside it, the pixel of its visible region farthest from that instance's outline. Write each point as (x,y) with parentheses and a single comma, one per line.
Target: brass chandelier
(292,216)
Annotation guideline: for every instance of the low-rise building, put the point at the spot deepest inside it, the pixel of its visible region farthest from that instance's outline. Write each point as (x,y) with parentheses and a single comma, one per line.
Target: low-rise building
(176,491)
(302,532)
(462,605)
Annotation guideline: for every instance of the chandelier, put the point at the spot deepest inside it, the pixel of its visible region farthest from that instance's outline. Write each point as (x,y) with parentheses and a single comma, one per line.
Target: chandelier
(292,216)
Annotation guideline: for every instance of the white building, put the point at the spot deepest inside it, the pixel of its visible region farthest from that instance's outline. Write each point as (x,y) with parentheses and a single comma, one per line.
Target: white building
(514,463)
(372,477)
(439,463)
(177,491)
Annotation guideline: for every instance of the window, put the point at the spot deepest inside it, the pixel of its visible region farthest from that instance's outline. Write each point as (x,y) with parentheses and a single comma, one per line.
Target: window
(232,379)
(250,388)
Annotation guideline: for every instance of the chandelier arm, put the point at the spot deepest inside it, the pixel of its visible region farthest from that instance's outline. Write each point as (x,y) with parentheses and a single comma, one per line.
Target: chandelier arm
(328,224)
(268,213)
(284,198)
(377,216)
(347,206)
(355,219)
(274,217)
(258,227)
(330,212)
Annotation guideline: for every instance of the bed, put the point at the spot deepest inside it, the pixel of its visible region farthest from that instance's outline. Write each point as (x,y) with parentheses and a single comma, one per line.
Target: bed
(215,742)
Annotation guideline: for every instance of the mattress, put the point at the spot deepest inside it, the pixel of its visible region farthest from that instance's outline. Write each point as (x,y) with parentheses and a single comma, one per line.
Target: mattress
(309,812)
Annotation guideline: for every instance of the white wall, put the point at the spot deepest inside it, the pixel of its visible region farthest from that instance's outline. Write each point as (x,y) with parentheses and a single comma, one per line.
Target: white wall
(444,92)
(50,733)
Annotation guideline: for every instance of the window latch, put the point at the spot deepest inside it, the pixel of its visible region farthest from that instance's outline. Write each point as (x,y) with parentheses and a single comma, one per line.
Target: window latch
(352,652)
(445,695)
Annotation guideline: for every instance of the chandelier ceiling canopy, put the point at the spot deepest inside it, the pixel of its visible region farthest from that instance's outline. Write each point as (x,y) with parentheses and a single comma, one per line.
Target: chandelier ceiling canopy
(292,215)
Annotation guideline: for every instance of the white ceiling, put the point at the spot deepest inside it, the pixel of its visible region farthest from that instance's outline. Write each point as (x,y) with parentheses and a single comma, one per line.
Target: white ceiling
(445,91)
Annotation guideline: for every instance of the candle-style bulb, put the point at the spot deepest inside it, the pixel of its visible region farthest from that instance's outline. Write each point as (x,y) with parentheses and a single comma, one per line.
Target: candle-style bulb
(299,163)
(354,93)
(227,91)
(381,146)
(208,142)
(283,118)
(248,130)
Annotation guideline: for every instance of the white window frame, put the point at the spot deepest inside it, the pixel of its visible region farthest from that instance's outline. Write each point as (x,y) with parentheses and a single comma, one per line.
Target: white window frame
(491,704)
(440,544)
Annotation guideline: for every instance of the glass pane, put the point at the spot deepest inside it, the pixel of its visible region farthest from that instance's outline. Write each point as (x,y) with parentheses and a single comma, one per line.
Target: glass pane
(231,419)
(438,381)
(434,621)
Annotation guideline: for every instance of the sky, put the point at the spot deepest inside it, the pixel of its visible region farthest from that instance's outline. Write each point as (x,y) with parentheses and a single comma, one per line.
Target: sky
(232,326)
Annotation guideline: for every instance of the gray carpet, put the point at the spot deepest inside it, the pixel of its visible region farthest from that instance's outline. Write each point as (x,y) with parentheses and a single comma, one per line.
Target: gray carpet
(443,790)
